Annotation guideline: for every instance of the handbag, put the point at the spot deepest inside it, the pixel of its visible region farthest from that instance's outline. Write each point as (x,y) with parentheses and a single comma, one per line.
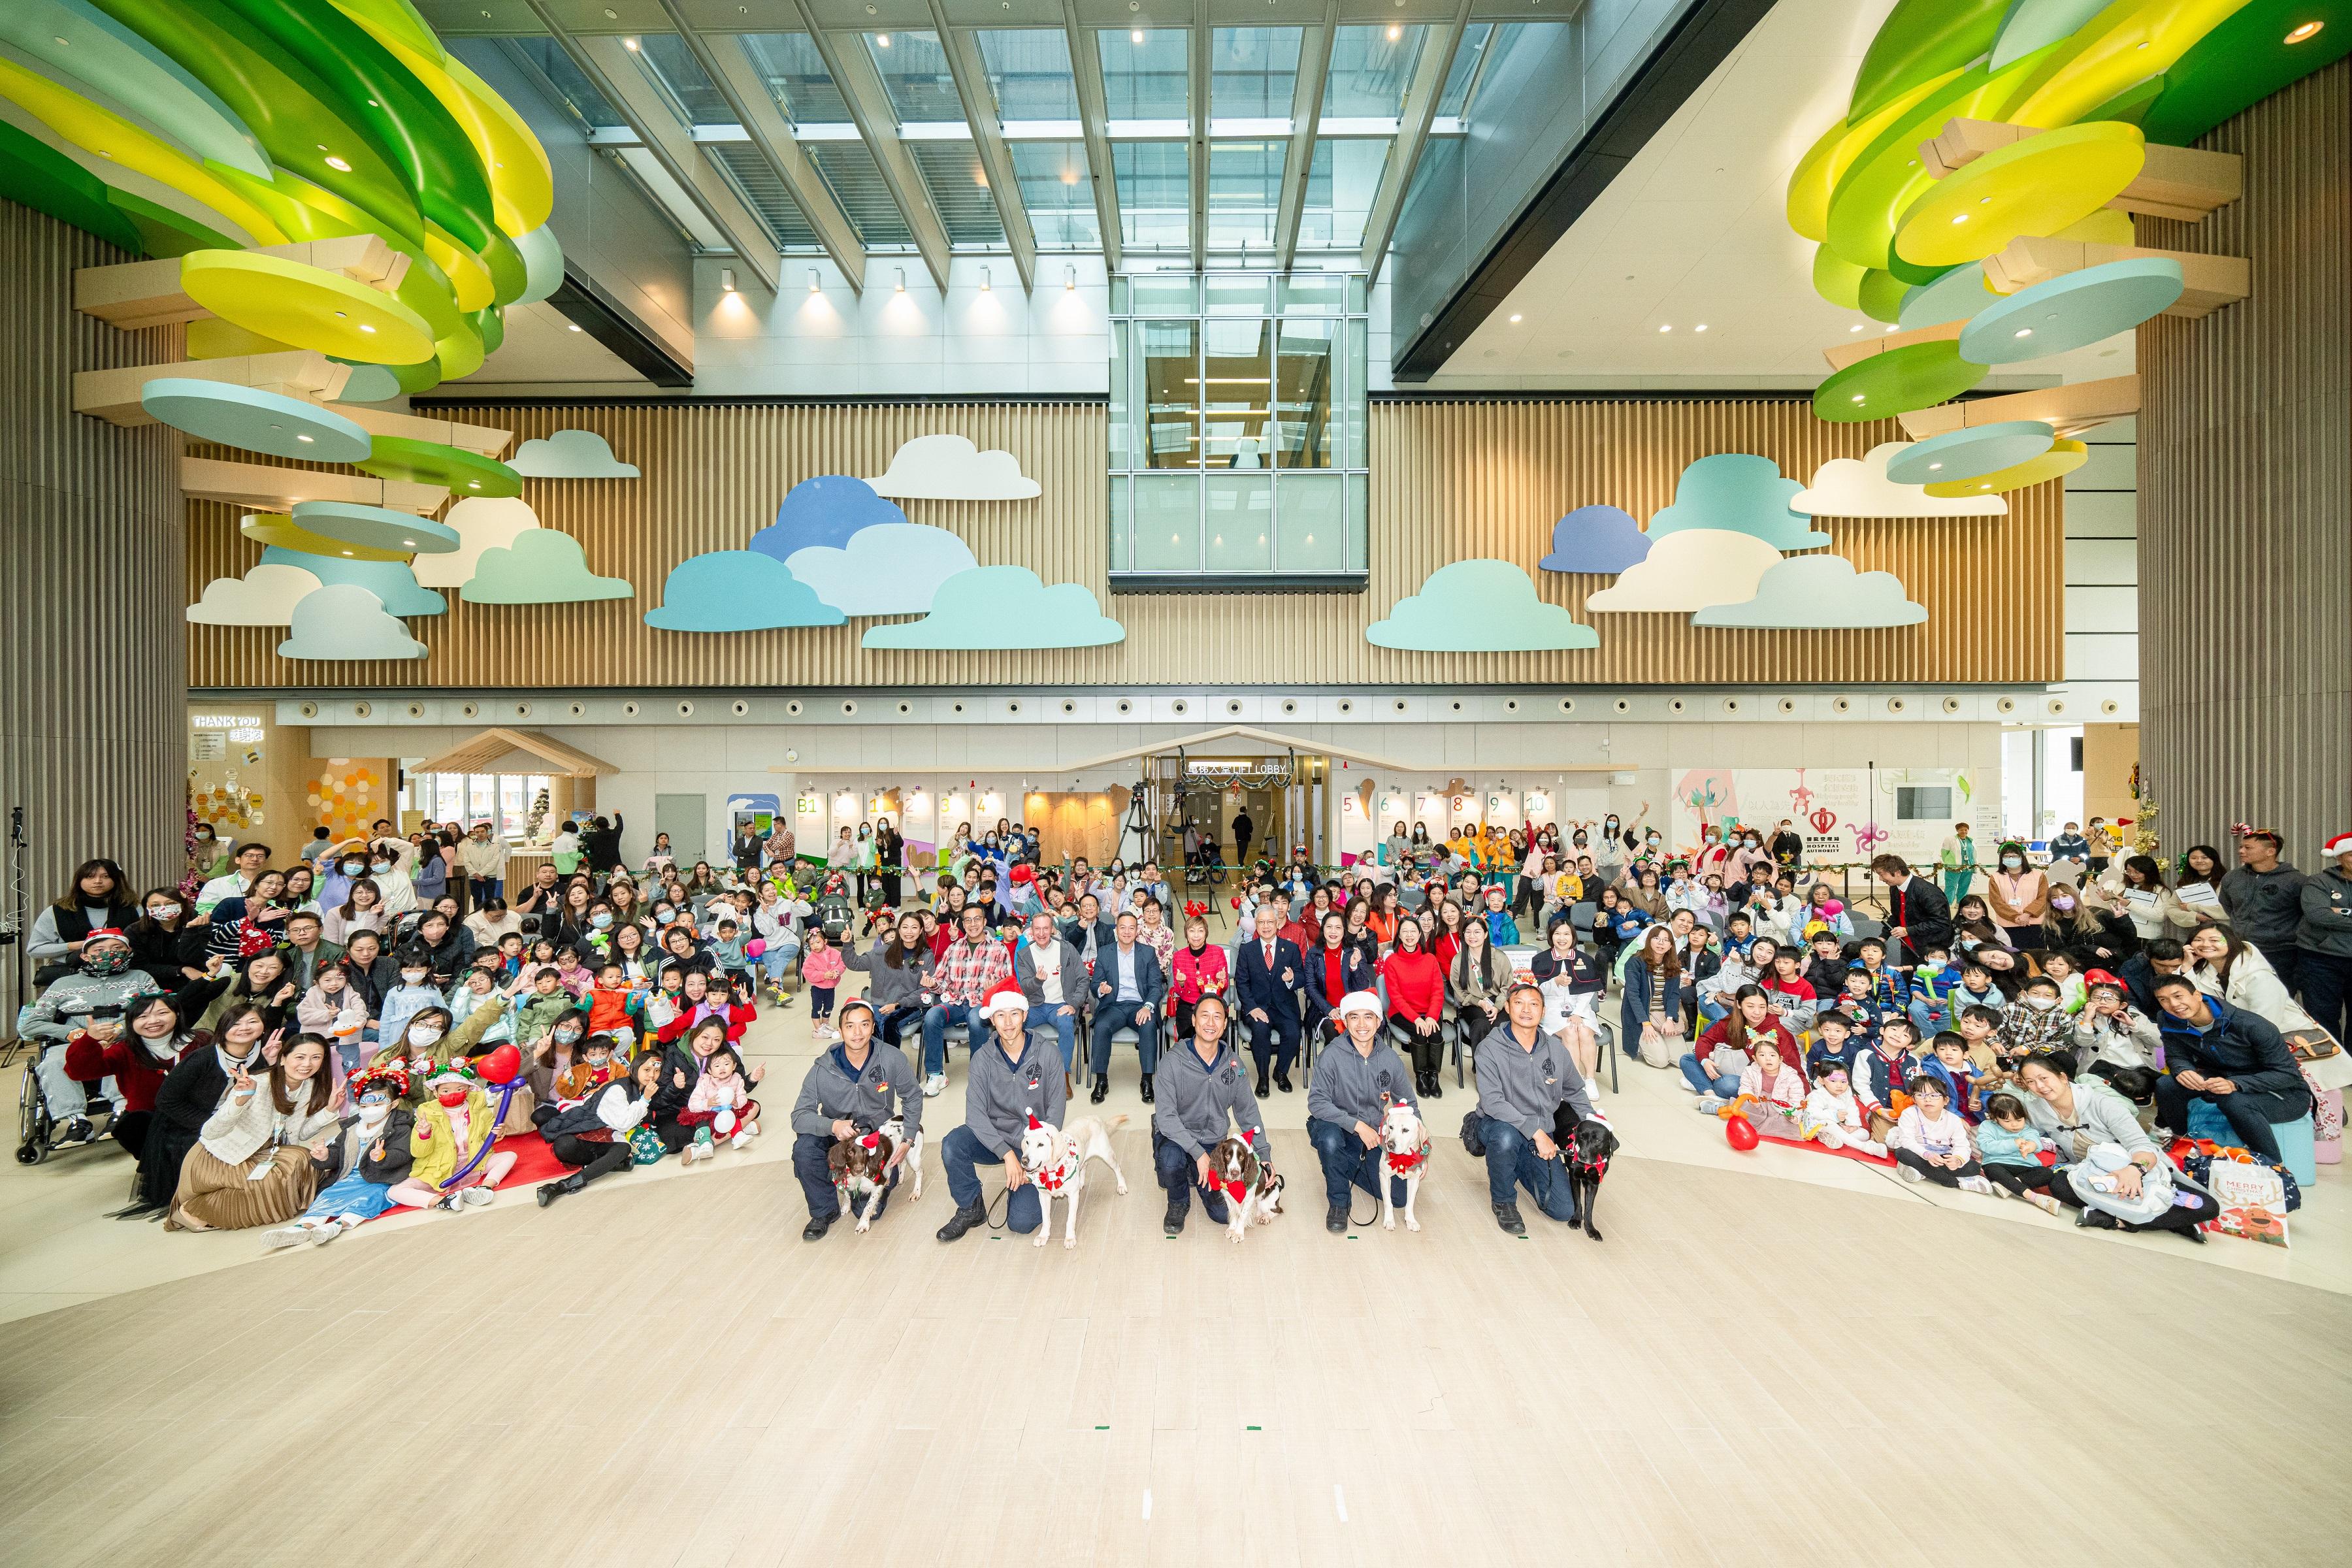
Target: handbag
(2254,1194)
(2323,1062)
(645,1146)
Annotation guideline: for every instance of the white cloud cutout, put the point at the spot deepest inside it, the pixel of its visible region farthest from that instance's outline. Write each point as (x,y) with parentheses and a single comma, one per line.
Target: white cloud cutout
(950,468)
(264,596)
(570,455)
(483,522)
(1820,593)
(1690,569)
(888,569)
(340,621)
(1851,487)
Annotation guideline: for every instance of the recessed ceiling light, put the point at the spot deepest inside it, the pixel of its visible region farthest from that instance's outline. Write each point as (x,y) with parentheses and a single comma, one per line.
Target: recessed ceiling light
(630,45)
(1856,327)
(338,164)
(1700,328)
(574,325)
(1934,468)
(883,40)
(611,15)
(1395,32)
(1135,36)
(410,542)
(2025,331)
(1665,328)
(1959,218)
(346,552)
(1515,319)
(365,328)
(2307,30)
(340,315)
(1857,397)
(306,440)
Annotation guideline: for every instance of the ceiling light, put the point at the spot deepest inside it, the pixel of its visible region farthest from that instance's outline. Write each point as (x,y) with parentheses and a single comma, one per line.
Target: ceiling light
(1856,327)
(1857,397)
(611,15)
(346,552)
(1934,468)
(365,328)
(338,164)
(1515,319)
(412,543)
(1959,218)
(726,280)
(1666,327)
(1136,36)
(2025,331)
(813,285)
(59,38)
(983,279)
(1069,279)
(573,325)
(630,45)
(882,40)
(902,280)
(1700,328)
(2308,30)
(1395,32)
(306,439)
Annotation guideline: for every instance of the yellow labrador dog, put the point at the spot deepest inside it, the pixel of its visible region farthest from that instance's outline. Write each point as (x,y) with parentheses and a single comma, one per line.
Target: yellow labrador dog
(1056,1159)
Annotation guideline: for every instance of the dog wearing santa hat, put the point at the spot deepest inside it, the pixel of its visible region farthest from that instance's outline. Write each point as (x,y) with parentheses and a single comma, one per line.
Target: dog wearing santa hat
(861,1167)
(1054,1159)
(1252,1190)
(1405,1154)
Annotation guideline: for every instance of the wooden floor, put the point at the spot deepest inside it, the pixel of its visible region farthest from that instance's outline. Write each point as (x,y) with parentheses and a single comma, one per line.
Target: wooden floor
(1746,1372)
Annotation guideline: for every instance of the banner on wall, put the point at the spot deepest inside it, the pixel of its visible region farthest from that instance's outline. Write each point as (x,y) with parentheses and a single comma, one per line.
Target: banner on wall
(1844,815)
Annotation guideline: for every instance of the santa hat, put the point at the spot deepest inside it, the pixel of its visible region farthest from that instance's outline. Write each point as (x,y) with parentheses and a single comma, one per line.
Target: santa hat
(1035,1125)
(1361,1002)
(1005,998)
(106,934)
(2339,844)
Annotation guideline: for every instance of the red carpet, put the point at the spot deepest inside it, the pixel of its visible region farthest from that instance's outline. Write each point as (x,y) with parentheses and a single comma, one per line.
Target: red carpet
(535,1162)
(1824,1149)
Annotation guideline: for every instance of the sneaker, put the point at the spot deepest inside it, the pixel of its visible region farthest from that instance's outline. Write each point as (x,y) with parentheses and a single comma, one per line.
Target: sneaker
(74,1131)
(1908,1174)
(1507,1216)
(319,1235)
(2041,1201)
(284,1235)
(1336,1222)
(447,1201)
(750,1130)
(933,1084)
(738,1139)
(1976,1184)
(480,1197)
(1709,1104)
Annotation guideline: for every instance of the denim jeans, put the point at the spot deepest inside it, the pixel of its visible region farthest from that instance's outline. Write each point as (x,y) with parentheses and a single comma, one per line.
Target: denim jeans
(963,1154)
(1696,1076)
(1512,1161)
(776,958)
(936,1024)
(1929,1017)
(484,888)
(1346,1162)
(354,1195)
(1179,1177)
(1063,1020)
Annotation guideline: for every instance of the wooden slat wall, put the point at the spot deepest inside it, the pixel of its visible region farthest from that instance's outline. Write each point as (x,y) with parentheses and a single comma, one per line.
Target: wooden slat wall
(93,727)
(1451,480)
(2245,497)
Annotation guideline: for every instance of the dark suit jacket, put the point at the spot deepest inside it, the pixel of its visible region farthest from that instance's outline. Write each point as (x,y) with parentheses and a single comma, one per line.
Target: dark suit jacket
(1256,986)
(1149,983)
(1920,906)
(1355,975)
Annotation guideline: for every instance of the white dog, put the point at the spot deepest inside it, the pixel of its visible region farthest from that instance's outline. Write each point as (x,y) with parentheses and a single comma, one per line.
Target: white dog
(1253,1193)
(1055,1160)
(1405,1154)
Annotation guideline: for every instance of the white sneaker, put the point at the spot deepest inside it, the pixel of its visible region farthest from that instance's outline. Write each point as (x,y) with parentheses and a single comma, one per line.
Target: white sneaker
(934,1083)
(738,1139)
(2041,1201)
(284,1235)
(321,1235)
(1708,1104)
(1977,1185)
(480,1197)
(1908,1174)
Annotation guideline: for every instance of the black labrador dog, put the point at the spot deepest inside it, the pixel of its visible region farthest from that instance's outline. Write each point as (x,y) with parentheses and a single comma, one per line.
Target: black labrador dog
(1586,1147)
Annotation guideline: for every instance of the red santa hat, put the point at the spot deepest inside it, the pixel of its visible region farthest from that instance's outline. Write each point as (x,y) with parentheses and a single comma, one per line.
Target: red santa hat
(1005,998)
(1035,1125)
(2339,844)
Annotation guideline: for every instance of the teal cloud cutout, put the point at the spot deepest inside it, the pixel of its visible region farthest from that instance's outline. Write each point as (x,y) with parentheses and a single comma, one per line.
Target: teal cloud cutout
(1479,606)
(542,566)
(886,569)
(1004,607)
(1823,593)
(340,621)
(571,455)
(393,582)
(1741,492)
(737,591)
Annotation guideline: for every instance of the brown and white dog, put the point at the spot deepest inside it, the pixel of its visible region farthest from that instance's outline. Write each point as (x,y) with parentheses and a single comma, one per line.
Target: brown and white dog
(1056,1159)
(1252,1191)
(1405,1154)
(861,1167)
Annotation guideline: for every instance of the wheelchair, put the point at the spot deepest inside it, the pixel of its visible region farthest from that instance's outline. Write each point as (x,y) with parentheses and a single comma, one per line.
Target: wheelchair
(36,1128)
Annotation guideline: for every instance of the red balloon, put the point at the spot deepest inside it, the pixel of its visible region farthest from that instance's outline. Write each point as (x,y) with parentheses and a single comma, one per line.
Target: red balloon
(1739,1133)
(502,1066)
(1238,900)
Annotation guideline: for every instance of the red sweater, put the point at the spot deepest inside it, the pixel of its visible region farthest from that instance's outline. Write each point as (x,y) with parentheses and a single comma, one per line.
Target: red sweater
(1416,986)
(738,1018)
(1721,1031)
(137,1073)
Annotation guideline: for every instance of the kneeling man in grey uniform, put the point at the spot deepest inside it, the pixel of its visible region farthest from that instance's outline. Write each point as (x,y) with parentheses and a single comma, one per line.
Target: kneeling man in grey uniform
(1202,1092)
(1523,1076)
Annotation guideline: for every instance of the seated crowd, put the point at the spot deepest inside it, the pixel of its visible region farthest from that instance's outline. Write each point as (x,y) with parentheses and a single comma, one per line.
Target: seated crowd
(301,1048)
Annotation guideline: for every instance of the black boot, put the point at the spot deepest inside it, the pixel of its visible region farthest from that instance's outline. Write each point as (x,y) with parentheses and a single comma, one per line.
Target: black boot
(563,1186)
(1281,1082)
(1172,1224)
(1336,1221)
(819,1224)
(1507,1216)
(1102,1088)
(1436,1090)
(1147,1088)
(968,1217)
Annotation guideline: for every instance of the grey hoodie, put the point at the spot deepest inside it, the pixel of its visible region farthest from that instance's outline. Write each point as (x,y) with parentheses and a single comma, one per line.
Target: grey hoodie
(1004,1093)
(1523,1087)
(2327,925)
(833,1092)
(2264,906)
(1194,1099)
(1348,1085)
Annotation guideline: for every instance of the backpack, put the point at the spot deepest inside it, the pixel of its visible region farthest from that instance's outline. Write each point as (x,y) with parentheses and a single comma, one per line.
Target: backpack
(1472,1144)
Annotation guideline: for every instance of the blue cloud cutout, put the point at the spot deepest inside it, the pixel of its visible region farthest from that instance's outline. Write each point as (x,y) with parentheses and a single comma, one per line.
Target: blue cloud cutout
(1479,606)
(737,591)
(1596,538)
(391,580)
(1004,607)
(825,510)
(1819,593)
(1743,493)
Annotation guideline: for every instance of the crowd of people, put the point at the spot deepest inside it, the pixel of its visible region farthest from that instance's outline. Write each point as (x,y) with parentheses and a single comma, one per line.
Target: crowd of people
(297,1047)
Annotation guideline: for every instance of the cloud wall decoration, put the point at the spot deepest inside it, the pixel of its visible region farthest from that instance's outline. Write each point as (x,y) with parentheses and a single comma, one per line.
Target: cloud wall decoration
(1004,607)
(1596,538)
(482,523)
(1819,593)
(825,510)
(890,569)
(1479,606)
(737,591)
(342,621)
(1689,570)
(542,566)
(393,582)
(1741,493)
(950,468)
(570,455)
(264,596)
(1858,487)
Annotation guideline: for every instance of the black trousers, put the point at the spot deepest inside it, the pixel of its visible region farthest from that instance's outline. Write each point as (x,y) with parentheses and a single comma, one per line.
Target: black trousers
(1529,897)
(1942,1175)
(2327,990)
(2250,1115)
(2052,1180)
(1428,1051)
(2288,959)
(592,1160)
(129,1130)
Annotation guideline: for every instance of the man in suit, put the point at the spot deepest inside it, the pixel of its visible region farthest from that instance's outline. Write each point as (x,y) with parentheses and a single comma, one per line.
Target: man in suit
(1128,990)
(1088,931)
(1919,916)
(1267,970)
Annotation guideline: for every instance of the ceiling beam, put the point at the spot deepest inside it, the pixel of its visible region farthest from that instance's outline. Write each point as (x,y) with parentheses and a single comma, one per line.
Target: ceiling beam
(1413,134)
(1094,115)
(730,68)
(980,113)
(877,123)
(1306,115)
(1197,160)
(615,71)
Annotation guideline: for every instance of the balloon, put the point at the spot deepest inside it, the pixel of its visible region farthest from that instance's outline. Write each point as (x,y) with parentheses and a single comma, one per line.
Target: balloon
(1739,1133)
(1238,900)
(502,1066)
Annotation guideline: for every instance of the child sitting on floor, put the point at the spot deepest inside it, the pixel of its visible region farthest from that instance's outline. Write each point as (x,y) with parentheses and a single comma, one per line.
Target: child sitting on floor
(1857,1004)
(2011,1150)
(721,1105)
(1835,1043)
(592,1071)
(452,1126)
(1769,1079)
(1833,1118)
(1931,1144)
(1948,1062)
(375,1157)
(727,952)
(1976,989)
(573,976)
(615,1007)
(2037,1023)
(2072,990)
(1932,984)
(1883,1063)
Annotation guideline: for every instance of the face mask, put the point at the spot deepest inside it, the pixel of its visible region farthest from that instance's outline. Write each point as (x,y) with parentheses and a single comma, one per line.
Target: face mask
(108,959)
(600,919)
(567,1036)
(204,838)
(165,911)
(1752,843)
(451,1098)
(2062,905)
(2013,862)
(375,1109)
(353,868)
(2040,1001)
(413,976)
(427,1036)
(379,866)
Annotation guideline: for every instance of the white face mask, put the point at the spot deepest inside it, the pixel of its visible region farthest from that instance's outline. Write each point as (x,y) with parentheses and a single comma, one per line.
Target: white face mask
(165,911)
(413,976)
(2013,862)
(379,865)
(427,1036)
(2041,1000)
